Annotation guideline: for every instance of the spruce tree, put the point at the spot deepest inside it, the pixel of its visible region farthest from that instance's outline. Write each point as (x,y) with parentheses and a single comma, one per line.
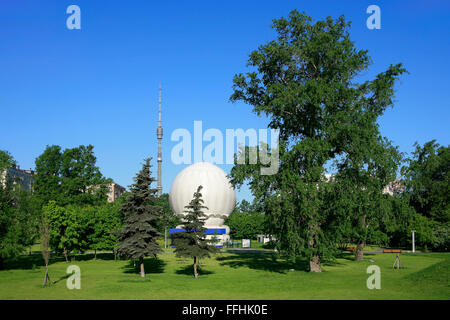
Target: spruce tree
(137,239)
(193,243)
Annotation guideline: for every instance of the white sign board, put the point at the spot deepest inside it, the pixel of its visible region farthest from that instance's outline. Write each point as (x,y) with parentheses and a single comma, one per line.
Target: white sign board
(245,243)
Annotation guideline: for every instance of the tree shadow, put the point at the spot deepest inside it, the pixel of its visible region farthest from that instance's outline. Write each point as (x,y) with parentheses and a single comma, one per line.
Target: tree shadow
(151,265)
(262,261)
(30,261)
(345,255)
(350,256)
(189,270)
(90,256)
(62,278)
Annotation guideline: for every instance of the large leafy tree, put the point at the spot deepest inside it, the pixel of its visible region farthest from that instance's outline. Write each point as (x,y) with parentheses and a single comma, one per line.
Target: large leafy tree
(428,181)
(364,171)
(79,228)
(245,226)
(69,228)
(48,175)
(305,82)
(192,242)
(427,188)
(246,222)
(137,238)
(8,227)
(103,222)
(69,177)
(81,180)
(18,220)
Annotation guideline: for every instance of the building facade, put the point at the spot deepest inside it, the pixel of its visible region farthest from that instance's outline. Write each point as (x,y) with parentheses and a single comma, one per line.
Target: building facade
(115,191)
(16,175)
(393,187)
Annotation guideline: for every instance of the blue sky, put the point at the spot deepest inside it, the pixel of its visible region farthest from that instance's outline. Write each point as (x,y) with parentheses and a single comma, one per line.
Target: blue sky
(99,85)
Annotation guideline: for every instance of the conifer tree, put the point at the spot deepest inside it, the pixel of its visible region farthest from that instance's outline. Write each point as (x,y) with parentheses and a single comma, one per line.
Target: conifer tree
(137,239)
(193,243)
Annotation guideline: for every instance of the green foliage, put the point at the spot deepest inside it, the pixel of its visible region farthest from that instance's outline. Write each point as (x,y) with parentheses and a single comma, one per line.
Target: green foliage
(76,228)
(441,238)
(6,160)
(427,189)
(363,172)
(397,225)
(193,243)
(104,221)
(48,175)
(304,81)
(45,234)
(9,228)
(69,177)
(137,238)
(424,236)
(167,218)
(428,181)
(245,225)
(81,180)
(245,207)
(69,227)
(17,221)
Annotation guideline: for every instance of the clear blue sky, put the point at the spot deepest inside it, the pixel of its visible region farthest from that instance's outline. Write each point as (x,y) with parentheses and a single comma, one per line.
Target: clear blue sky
(99,85)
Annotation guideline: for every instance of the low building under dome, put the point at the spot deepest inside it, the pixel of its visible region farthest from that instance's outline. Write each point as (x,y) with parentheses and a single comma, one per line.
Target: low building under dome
(218,195)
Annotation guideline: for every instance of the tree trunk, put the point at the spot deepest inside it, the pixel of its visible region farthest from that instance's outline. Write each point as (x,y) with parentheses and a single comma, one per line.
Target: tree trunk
(95,254)
(314,261)
(359,253)
(195,268)
(165,237)
(141,260)
(46,277)
(314,264)
(65,255)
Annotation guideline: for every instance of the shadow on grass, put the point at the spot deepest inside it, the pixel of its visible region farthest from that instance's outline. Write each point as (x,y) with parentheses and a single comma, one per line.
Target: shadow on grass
(151,265)
(262,261)
(436,274)
(349,256)
(35,260)
(62,278)
(29,261)
(189,270)
(90,256)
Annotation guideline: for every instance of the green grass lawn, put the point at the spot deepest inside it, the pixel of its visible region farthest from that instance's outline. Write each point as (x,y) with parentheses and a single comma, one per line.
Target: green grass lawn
(236,276)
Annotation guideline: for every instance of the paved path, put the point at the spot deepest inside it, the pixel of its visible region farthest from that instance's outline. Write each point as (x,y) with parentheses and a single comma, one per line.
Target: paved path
(247,250)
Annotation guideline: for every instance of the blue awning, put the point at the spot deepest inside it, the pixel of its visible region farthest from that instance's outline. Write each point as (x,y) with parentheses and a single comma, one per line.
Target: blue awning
(210,231)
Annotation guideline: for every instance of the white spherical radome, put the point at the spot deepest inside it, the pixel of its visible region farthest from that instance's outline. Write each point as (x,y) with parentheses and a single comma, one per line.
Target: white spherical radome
(217,193)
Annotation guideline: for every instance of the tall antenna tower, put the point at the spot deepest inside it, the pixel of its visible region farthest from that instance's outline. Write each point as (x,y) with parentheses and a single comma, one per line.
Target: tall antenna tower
(159,135)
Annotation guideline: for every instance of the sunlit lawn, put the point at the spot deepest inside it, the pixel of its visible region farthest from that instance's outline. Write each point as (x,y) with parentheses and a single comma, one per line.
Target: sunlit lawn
(229,276)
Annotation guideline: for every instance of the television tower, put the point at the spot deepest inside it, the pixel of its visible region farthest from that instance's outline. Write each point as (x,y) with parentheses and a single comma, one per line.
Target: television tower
(159,135)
